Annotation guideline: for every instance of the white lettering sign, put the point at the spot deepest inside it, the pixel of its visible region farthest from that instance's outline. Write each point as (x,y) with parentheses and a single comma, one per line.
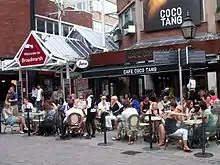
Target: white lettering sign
(170,17)
(139,70)
(31,59)
(82,64)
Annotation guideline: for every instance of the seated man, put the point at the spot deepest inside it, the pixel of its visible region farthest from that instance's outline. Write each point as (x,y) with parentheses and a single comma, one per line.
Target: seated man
(127,112)
(27,105)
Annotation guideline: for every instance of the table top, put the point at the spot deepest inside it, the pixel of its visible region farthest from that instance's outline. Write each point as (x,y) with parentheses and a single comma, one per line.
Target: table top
(33,113)
(143,124)
(193,122)
(153,118)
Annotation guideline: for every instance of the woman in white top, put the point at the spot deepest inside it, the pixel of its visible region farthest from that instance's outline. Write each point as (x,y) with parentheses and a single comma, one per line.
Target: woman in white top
(11,120)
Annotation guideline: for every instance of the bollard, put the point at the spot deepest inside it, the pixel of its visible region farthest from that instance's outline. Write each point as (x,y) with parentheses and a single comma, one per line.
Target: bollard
(150,125)
(28,119)
(203,154)
(0,120)
(105,135)
(151,133)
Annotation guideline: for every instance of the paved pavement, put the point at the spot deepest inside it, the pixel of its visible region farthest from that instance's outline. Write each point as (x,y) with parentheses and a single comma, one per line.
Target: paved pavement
(19,149)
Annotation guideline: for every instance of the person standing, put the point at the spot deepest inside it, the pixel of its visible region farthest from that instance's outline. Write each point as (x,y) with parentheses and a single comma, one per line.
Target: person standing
(91,114)
(39,98)
(33,95)
(12,98)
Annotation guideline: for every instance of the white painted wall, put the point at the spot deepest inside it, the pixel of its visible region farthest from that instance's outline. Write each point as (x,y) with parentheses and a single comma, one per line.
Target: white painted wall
(212,81)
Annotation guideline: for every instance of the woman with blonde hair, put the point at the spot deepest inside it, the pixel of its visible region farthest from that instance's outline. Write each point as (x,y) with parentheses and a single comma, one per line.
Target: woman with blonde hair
(158,126)
(154,109)
(11,120)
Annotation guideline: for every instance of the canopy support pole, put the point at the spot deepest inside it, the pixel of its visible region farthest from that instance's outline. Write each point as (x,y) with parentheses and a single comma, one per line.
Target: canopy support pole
(26,74)
(68,76)
(20,80)
(62,83)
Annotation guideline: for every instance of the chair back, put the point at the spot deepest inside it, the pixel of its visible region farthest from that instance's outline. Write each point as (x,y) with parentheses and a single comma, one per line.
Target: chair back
(133,122)
(74,119)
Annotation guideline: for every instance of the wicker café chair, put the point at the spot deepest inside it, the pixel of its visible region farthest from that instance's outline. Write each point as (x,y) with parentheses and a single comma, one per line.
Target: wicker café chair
(75,124)
(131,127)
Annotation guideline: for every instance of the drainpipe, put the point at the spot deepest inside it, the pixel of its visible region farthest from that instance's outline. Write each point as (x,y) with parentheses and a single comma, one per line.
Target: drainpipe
(32,14)
(138,20)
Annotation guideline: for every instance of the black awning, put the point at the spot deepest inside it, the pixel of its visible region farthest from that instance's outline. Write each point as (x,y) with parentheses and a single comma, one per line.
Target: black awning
(133,69)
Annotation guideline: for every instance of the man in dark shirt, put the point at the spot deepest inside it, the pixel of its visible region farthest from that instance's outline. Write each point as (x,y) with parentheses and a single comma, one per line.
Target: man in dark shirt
(200,97)
(13,99)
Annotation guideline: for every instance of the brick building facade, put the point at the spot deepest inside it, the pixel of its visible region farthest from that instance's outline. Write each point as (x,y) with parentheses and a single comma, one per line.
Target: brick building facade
(138,47)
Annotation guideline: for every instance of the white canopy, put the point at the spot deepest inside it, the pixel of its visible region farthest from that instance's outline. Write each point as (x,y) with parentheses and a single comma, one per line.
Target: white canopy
(58,50)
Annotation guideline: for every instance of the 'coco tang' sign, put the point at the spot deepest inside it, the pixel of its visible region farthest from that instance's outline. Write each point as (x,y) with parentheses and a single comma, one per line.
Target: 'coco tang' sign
(168,14)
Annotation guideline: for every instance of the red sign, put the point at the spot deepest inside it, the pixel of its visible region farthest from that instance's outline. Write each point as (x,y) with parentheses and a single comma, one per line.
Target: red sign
(32,54)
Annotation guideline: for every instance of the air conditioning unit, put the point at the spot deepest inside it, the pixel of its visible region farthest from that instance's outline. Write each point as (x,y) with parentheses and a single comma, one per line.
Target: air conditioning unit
(117,37)
(130,30)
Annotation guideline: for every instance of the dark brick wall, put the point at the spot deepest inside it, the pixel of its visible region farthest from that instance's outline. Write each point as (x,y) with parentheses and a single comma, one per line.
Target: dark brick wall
(122,3)
(15,25)
(15,22)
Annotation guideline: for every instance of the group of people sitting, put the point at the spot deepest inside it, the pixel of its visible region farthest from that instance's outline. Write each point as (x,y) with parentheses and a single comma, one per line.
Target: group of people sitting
(171,113)
(111,112)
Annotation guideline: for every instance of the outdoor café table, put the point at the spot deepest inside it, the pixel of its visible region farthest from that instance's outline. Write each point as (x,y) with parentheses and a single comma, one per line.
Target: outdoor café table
(191,125)
(39,120)
(192,122)
(154,120)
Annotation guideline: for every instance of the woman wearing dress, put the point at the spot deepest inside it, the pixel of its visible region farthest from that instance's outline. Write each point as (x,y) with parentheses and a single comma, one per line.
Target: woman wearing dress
(11,120)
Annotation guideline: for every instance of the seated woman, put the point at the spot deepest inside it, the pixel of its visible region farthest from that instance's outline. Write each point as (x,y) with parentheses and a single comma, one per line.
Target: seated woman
(172,129)
(11,120)
(46,126)
(161,130)
(145,105)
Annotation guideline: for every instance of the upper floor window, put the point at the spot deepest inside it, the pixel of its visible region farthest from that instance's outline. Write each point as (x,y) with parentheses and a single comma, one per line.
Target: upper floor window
(51,26)
(218,3)
(128,15)
(97,26)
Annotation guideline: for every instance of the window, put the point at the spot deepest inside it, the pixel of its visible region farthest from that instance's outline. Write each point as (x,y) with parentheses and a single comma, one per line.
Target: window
(56,28)
(128,15)
(97,26)
(41,25)
(108,28)
(79,5)
(218,3)
(49,27)
(83,5)
(110,7)
(65,30)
